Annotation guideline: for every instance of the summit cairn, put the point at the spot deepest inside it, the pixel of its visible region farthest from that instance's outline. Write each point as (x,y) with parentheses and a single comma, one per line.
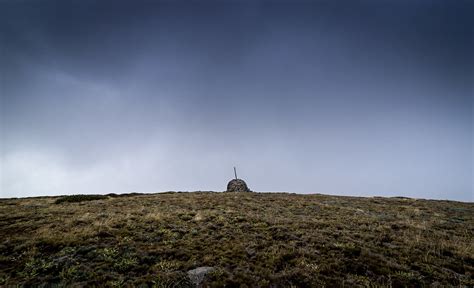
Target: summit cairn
(237,185)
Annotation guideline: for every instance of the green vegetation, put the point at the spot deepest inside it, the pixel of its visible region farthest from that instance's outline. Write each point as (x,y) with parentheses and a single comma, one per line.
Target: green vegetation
(79,198)
(251,239)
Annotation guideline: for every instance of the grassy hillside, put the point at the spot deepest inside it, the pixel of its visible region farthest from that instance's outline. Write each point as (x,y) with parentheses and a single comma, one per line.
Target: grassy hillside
(251,239)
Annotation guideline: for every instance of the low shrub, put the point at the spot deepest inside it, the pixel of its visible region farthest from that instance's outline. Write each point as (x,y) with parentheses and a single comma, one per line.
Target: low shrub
(79,198)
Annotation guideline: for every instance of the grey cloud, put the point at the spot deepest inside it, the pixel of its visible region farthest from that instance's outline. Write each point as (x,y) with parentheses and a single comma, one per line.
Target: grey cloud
(355,99)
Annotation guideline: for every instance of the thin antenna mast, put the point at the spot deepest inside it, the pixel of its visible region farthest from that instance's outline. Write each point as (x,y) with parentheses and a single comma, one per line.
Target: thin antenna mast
(235,173)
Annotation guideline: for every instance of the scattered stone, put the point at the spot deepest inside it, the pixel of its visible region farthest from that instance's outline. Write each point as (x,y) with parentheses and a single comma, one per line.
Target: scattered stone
(237,185)
(63,261)
(250,252)
(197,275)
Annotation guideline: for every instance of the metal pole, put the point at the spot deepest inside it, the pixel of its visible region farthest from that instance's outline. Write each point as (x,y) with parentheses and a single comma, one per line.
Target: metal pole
(235,173)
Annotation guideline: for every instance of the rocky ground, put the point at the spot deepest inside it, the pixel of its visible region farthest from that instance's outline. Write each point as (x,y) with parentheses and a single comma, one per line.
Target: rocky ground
(236,239)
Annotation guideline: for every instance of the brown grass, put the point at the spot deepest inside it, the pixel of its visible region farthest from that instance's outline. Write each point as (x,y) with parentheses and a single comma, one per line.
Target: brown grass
(252,239)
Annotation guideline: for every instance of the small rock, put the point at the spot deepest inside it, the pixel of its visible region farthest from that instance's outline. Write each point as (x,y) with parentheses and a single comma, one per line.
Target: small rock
(250,252)
(63,261)
(197,275)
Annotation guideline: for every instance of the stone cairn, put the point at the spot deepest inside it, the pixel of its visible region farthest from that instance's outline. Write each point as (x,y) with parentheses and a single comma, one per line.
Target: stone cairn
(237,185)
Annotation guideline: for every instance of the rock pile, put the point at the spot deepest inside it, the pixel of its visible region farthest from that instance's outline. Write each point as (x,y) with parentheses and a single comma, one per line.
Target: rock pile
(237,185)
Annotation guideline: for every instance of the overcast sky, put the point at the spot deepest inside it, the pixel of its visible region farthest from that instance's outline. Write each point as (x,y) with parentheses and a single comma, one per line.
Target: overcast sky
(356,98)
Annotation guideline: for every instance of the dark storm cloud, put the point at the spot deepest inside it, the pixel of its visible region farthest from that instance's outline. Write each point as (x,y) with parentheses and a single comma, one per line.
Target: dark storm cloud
(365,98)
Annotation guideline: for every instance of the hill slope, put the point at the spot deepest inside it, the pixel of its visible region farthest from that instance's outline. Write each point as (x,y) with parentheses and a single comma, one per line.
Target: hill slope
(257,239)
